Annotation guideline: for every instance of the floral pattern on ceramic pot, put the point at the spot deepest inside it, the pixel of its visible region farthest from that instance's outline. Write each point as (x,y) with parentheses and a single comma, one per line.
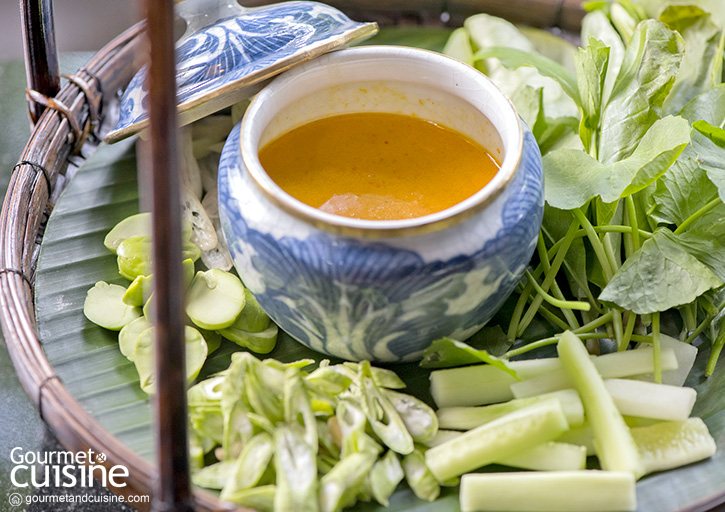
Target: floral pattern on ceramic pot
(383,296)
(227,61)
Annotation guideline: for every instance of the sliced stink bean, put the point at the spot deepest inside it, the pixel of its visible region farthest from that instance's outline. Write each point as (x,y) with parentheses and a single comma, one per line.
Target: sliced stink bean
(260,342)
(215,299)
(143,357)
(130,333)
(104,306)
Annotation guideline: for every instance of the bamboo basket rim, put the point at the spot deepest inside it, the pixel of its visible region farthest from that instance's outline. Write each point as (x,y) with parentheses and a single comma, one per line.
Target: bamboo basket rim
(28,202)
(25,211)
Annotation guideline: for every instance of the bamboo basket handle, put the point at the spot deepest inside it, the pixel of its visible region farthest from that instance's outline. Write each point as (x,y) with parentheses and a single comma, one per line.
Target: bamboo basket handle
(172,491)
(41,54)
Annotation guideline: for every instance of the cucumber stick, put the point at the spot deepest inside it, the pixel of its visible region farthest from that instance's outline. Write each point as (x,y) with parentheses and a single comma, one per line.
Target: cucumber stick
(563,491)
(609,366)
(685,354)
(650,400)
(672,444)
(581,435)
(470,385)
(549,456)
(615,446)
(498,439)
(614,364)
(465,418)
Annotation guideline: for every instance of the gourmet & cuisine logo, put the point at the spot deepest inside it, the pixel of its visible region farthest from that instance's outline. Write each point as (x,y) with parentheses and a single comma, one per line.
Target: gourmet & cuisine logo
(63,469)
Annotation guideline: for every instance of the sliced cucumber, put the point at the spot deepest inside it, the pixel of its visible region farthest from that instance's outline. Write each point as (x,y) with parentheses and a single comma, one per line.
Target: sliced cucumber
(685,355)
(650,400)
(143,357)
(259,342)
(130,333)
(612,438)
(672,444)
(551,456)
(609,366)
(581,435)
(562,491)
(471,385)
(215,299)
(104,306)
(498,439)
(465,418)
(529,368)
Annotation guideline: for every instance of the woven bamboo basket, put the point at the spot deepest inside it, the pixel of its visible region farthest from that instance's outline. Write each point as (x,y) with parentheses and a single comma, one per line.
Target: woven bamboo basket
(67,130)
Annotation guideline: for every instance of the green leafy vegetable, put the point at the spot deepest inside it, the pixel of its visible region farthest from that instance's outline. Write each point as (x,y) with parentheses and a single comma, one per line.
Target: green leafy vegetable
(447,353)
(701,67)
(659,277)
(514,58)
(649,69)
(572,177)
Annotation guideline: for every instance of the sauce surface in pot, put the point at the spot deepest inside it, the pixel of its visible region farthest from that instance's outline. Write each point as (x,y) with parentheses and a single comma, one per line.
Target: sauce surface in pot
(377,166)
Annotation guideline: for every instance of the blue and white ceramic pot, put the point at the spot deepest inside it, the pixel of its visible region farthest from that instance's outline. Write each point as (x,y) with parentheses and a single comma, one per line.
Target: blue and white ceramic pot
(382,290)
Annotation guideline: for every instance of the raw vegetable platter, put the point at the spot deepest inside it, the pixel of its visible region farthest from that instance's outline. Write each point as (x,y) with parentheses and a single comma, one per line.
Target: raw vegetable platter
(577,139)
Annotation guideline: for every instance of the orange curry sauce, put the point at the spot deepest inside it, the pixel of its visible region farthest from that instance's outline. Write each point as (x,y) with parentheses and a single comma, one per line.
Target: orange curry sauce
(377,166)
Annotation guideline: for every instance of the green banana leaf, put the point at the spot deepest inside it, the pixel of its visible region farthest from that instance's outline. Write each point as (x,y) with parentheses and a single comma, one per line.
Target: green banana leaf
(88,361)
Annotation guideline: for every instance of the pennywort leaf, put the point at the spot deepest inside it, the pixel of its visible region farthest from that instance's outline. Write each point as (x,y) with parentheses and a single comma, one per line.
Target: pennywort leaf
(708,144)
(459,46)
(682,190)
(591,70)
(650,66)
(572,177)
(623,21)
(513,58)
(709,106)
(487,31)
(701,67)
(704,237)
(657,151)
(596,24)
(660,276)
(447,353)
